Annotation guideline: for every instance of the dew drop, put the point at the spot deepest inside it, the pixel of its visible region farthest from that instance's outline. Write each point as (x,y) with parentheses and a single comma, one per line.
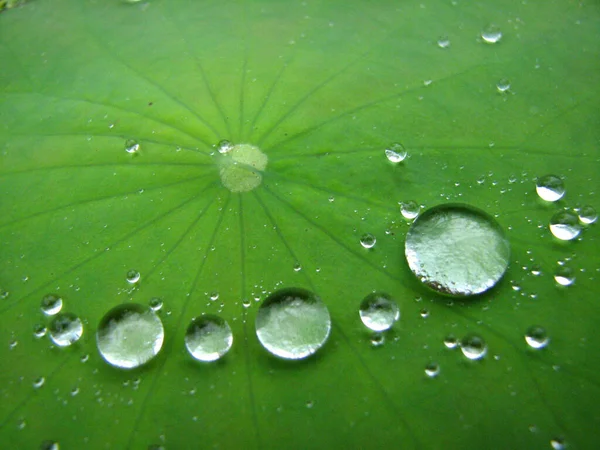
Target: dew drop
(424,313)
(241,167)
(443,42)
(503,85)
(4,294)
(396,153)
(208,338)
(39,382)
(39,330)
(536,337)
(129,335)
(378,311)
(558,444)
(432,370)
(473,346)
(155,304)
(550,188)
(491,34)
(587,215)
(224,146)
(246,303)
(450,342)
(51,304)
(456,249)
(297,267)
(65,329)
(565,226)
(410,209)
(564,276)
(133,276)
(377,340)
(214,296)
(131,146)
(367,240)
(293,323)
(49,445)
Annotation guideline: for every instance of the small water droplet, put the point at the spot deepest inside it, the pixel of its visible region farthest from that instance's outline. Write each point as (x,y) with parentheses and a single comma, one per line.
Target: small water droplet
(293,323)
(410,209)
(432,370)
(536,270)
(49,445)
(214,296)
(246,303)
(565,226)
(155,303)
(396,153)
(39,382)
(309,404)
(65,329)
(133,276)
(564,276)
(491,34)
(450,342)
(377,339)
(208,338)
(443,42)
(332,199)
(131,146)
(424,313)
(4,294)
(13,344)
(503,85)
(473,346)
(74,391)
(85,358)
(558,443)
(536,337)
(39,330)
(587,215)
(224,146)
(550,188)
(378,311)
(367,240)
(51,304)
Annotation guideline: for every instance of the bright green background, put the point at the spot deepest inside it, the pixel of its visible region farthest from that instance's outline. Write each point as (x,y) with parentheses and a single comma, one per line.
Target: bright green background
(322,88)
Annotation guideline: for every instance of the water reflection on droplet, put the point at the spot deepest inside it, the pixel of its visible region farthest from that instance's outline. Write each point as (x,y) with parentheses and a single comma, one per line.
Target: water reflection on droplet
(131,146)
(450,342)
(564,276)
(133,276)
(377,339)
(51,304)
(39,330)
(224,146)
(536,337)
(396,153)
(410,209)
(565,226)
(473,347)
(156,304)
(550,188)
(367,240)
(443,42)
(503,85)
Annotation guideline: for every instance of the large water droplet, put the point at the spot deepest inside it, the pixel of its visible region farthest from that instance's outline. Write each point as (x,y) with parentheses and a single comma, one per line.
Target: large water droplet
(550,188)
(293,323)
(587,215)
(129,335)
(457,249)
(65,329)
(564,276)
(565,226)
(51,304)
(378,311)
(536,337)
(491,34)
(410,209)
(208,338)
(367,240)
(131,146)
(473,346)
(396,153)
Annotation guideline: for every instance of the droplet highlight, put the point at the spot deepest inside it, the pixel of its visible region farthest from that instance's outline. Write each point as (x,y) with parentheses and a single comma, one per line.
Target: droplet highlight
(587,215)
(208,338)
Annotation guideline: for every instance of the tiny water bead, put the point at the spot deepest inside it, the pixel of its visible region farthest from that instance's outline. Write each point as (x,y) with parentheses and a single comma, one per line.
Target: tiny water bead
(65,329)
(536,337)
(558,443)
(396,153)
(133,276)
(457,249)
(565,226)
(564,276)
(51,304)
(550,188)
(491,34)
(132,146)
(443,42)
(49,445)
(208,338)
(367,240)
(432,370)
(377,339)
(155,304)
(224,146)
(587,215)
(240,167)
(378,311)
(473,347)
(410,209)
(293,323)
(450,342)
(503,85)
(129,335)
(39,330)
(39,382)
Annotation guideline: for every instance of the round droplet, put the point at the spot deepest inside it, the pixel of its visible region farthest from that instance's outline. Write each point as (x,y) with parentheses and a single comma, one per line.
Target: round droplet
(378,311)
(396,153)
(491,34)
(293,323)
(443,42)
(564,276)
(587,215)
(450,342)
(129,335)
(39,330)
(156,304)
(39,382)
(208,338)
(536,337)
(550,188)
(367,240)
(131,146)
(133,276)
(297,267)
(503,85)
(214,296)
(565,226)
(432,370)
(558,443)
(4,294)
(49,445)
(65,329)
(456,249)
(410,209)
(51,304)
(473,347)
(224,146)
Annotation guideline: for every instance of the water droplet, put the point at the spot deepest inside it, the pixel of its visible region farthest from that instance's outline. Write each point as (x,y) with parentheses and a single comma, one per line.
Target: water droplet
(378,311)
(74,391)
(457,249)
(587,215)
(331,199)
(473,347)
(491,34)
(129,335)
(450,342)
(503,85)
(410,209)
(208,338)
(4,294)
(246,303)
(377,339)
(432,370)
(214,296)
(564,276)
(565,226)
(310,404)
(241,167)
(443,42)
(558,443)
(367,240)
(39,330)
(536,337)
(536,270)
(396,153)
(51,304)
(13,344)
(297,267)
(156,304)
(39,382)
(131,146)
(224,146)
(550,188)
(65,329)
(84,358)
(133,276)
(424,313)
(293,323)
(49,445)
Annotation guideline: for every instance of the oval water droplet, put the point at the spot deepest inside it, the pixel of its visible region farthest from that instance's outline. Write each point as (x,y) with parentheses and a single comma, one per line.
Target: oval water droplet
(129,335)
(208,338)
(293,323)
(131,146)
(156,304)
(214,296)
(565,226)
(224,146)
(503,85)
(456,249)
(564,276)
(550,188)
(396,153)
(65,329)
(558,443)
(367,240)
(39,330)
(378,311)
(587,215)
(491,34)
(410,209)
(133,276)
(450,342)
(297,267)
(536,337)
(432,370)
(473,346)
(377,339)
(51,304)
(443,42)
